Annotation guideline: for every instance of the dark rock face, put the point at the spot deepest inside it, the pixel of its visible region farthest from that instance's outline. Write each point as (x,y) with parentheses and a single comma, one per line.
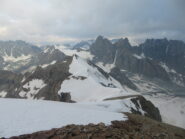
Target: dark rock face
(66,97)
(1,62)
(17,48)
(44,57)
(103,50)
(141,106)
(148,107)
(171,52)
(9,81)
(123,43)
(51,55)
(99,69)
(136,127)
(145,66)
(125,59)
(52,76)
(121,77)
(144,59)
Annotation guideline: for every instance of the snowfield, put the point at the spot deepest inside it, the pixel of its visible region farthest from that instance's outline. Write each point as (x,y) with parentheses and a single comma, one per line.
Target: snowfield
(172,109)
(88,90)
(28,116)
(94,87)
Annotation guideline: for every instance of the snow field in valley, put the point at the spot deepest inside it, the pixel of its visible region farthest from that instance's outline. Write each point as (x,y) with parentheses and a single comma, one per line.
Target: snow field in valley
(27,116)
(94,87)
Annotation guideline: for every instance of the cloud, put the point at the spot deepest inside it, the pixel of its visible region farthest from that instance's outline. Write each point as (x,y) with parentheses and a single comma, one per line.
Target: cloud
(59,20)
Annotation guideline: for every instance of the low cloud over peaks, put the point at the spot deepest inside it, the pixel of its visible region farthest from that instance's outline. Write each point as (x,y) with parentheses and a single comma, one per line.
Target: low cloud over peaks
(57,21)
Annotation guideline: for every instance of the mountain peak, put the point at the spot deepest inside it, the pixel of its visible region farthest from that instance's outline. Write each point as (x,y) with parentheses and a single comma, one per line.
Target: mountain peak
(123,43)
(49,49)
(100,37)
(103,41)
(102,47)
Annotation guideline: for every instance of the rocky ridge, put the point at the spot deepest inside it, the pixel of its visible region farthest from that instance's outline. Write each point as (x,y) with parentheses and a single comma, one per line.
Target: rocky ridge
(154,59)
(136,127)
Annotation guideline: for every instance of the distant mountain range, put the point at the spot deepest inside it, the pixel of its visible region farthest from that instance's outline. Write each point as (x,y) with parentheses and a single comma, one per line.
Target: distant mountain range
(19,56)
(94,70)
(155,59)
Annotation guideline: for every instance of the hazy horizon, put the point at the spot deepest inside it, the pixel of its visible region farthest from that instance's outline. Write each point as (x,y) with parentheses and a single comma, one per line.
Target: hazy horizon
(56,21)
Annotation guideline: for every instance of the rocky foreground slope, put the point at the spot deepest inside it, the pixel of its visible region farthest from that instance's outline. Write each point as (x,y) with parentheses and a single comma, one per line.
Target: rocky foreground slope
(137,127)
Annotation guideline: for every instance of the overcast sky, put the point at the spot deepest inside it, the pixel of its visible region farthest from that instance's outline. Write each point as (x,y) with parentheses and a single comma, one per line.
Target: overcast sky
(41,21)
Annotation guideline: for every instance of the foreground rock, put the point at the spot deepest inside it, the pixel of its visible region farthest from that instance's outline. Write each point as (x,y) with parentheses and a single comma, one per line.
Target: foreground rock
(148,108)
(142,106)
(136,127)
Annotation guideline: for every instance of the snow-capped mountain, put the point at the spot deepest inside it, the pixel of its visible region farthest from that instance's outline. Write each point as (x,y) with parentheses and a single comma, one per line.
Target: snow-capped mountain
(82,45)
(87,77)
(14,54)
(148,59)
(73,75)
(19,56)
(151,67)
(15,49)
(75,80)
(115,72)
(148,76)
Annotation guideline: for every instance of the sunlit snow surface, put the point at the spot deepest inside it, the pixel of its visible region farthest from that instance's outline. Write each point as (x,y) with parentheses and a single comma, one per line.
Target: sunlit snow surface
(27,116)
(94,87)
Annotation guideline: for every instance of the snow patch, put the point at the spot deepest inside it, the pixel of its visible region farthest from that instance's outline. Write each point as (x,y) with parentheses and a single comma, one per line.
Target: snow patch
(142,56)
(8,58)
(33,88)
(167,69)
(24,78)
(46,65)
(3,94)
(49,50)
(30,69)
(106,67)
